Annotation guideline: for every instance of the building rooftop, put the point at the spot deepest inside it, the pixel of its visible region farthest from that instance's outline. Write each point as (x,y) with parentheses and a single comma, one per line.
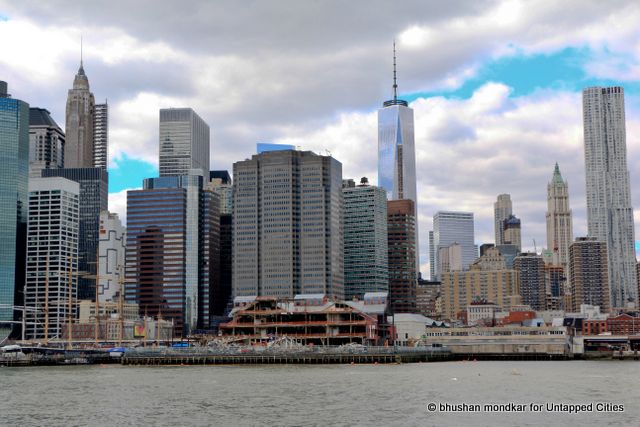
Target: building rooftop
(414,317)
(223,175)
(41,117)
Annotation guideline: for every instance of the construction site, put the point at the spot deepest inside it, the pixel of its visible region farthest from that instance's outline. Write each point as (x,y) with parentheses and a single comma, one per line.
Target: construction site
(308,319)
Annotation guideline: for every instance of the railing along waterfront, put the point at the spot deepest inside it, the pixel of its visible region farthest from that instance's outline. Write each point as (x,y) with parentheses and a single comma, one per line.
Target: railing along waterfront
(282,355)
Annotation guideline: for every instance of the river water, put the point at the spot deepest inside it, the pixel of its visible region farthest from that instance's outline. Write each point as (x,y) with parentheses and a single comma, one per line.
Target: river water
(365,395)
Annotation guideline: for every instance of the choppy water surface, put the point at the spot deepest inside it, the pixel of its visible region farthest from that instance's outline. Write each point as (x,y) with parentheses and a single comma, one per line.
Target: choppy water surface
(316,395)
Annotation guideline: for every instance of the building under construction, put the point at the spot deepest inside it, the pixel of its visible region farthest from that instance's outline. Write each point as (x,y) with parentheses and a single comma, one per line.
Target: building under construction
(308,319)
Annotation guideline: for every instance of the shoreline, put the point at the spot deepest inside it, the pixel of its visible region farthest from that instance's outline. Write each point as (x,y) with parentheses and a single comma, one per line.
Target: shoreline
(293,358)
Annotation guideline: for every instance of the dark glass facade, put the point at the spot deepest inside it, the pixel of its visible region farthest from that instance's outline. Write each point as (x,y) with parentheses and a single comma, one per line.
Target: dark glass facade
(155,267)
(401,227)
(222,292)
(14,169)
(172,255)
(94,197)
(209,257)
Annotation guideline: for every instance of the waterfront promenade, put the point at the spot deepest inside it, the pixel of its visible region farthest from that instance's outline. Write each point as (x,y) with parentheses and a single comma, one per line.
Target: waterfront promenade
(258,355)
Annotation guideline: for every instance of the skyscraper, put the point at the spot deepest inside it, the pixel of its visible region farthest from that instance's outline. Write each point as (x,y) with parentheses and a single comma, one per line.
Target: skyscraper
(172,249)
(559,222)
(14,172)
(184,143)
(94,197)
(220,182)
(365,239)
(101,136)
(288,231)
(211,294)
(156,253)
(51,283)
(588,273)
(46,142)
(502,208)
(78,149)
(609,211)
(403,280)
(224,289)
(511,232)
(396,152)
(449,228)
(530,267)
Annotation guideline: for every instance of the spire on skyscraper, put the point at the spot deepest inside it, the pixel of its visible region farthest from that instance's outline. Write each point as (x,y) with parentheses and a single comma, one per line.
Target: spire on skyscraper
(81,81)
(559,220)
(395,83)
(81,69)
(557,177)
(395,100)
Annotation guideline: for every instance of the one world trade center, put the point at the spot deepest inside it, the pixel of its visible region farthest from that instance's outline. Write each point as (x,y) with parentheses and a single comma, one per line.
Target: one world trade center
(396,151)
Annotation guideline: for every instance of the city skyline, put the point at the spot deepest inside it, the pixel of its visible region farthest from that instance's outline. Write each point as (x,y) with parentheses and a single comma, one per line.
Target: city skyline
(473,111)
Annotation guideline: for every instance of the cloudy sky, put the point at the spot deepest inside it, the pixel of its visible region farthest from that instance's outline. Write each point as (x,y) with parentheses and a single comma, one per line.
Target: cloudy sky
(495,85)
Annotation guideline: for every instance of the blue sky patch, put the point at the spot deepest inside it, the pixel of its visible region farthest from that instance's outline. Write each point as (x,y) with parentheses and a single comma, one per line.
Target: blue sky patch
(562,70)
(129,173)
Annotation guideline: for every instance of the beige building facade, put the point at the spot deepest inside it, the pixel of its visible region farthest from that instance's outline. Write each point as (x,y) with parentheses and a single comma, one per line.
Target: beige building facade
(487,279)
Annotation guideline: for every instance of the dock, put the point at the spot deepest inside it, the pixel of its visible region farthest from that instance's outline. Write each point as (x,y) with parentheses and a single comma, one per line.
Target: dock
(285,358)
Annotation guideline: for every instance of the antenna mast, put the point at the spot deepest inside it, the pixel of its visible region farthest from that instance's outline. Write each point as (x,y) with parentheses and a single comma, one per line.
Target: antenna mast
(395,84)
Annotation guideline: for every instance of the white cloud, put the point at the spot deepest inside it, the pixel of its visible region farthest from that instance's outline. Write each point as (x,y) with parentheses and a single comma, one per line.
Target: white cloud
(469,151)
(266,73)
(134,126)
(118,203)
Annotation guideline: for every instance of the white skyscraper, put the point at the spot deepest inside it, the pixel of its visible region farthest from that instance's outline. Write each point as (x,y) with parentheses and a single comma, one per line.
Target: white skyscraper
(450,228)
(101,136)
(502,209)
(53,255)
(609,211)
(396,151)
(559,222)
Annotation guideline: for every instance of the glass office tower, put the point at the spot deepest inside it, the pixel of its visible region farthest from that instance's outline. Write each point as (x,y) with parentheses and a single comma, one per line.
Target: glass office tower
(366,266)
(14,170)
(172,255)
(397,153)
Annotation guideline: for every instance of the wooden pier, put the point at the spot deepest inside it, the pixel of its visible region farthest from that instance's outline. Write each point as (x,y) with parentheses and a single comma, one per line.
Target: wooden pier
(283,359)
